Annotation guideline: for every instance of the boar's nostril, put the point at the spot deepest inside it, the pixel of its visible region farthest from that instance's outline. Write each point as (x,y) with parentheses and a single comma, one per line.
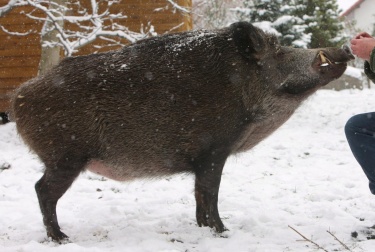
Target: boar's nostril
(347,50)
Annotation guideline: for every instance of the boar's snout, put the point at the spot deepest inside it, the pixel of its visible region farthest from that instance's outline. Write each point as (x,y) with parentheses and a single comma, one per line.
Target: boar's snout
(332,61)
(335,55)
(348,52)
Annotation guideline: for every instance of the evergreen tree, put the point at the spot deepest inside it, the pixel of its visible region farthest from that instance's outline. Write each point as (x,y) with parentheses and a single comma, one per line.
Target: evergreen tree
(278,14)
(300,23)
(264,10)
(322,19)
(292,27)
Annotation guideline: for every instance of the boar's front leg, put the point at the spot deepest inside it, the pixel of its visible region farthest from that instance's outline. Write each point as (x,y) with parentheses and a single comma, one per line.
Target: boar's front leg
(57,178)
(207,183)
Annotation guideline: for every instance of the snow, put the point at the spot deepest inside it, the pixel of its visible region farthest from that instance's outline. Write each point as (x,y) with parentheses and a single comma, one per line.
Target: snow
(283,20)
(354,72)
(304,175)
(267,27)
(195,38)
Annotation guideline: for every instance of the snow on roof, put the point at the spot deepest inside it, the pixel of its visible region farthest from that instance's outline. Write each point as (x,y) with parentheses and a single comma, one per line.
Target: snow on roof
(352,8)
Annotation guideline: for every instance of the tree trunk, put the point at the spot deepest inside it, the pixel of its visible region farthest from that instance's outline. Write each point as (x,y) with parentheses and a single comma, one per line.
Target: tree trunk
(50,56)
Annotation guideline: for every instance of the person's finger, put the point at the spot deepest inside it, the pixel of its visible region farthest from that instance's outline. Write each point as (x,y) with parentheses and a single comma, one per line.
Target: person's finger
(366,35)
(353,41)
(363,35)
(354,49)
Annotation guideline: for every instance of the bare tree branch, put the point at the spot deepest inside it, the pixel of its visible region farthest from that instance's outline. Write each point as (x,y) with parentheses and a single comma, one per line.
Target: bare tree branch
(174,28)
(346,247)
(308,240)
(15,33)
(71,41)
(11,4)
(91,22)
(50,53)
(178,7)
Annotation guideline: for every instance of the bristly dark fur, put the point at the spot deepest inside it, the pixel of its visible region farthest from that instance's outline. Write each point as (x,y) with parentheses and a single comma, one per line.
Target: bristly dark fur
(176,103)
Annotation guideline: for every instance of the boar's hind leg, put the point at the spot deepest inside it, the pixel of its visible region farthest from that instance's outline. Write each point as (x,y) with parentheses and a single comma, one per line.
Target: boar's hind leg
(207,183)
(57,178)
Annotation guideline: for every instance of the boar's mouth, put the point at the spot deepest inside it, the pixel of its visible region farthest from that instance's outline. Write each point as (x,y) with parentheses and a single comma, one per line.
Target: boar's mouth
(326,61)
(328,64)
(332,62)
(340,57)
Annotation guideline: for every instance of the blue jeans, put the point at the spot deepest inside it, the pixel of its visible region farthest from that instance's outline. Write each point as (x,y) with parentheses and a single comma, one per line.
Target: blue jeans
(360,133)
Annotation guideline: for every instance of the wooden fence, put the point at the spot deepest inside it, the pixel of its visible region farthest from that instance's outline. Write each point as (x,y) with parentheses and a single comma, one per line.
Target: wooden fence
(20,55)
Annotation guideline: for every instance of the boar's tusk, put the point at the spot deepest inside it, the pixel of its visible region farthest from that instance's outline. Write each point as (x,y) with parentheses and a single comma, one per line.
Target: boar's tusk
(325,61)
(322,57)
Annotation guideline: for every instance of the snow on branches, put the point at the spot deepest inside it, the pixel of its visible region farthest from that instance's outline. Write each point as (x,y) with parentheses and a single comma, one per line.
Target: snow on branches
(11,4)
(90,22)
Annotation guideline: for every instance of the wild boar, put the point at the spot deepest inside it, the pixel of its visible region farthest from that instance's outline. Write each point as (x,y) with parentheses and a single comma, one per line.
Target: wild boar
(164,105)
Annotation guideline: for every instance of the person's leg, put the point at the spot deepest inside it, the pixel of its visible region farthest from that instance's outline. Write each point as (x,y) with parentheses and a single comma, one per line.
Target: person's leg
(4,118)
(360,133)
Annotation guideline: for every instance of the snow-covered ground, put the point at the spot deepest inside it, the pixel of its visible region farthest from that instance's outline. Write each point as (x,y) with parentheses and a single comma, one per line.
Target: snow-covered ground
(303,176)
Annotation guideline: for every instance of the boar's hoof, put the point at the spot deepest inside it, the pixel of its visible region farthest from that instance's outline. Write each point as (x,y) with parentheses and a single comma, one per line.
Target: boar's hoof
(205,220)
(58,236)
(220,228)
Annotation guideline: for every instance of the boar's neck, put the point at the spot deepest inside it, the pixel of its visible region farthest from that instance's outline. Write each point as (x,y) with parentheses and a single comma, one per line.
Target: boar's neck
(268,114)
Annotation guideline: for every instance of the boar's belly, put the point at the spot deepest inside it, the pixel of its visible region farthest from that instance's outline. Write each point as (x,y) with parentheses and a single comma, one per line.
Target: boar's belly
(120,173)
(102,169)
(126,171)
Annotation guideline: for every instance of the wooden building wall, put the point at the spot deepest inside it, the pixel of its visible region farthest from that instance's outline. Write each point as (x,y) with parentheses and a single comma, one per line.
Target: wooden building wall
(20,55)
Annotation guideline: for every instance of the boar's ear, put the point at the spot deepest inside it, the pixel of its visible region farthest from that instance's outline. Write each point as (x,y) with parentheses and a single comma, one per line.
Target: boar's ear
(249,40)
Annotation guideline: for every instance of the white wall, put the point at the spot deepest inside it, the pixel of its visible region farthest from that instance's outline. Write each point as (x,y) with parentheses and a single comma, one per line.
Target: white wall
(364,16)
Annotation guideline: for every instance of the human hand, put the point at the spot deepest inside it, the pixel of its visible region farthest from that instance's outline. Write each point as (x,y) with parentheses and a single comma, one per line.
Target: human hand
(363,35)
(362,45)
